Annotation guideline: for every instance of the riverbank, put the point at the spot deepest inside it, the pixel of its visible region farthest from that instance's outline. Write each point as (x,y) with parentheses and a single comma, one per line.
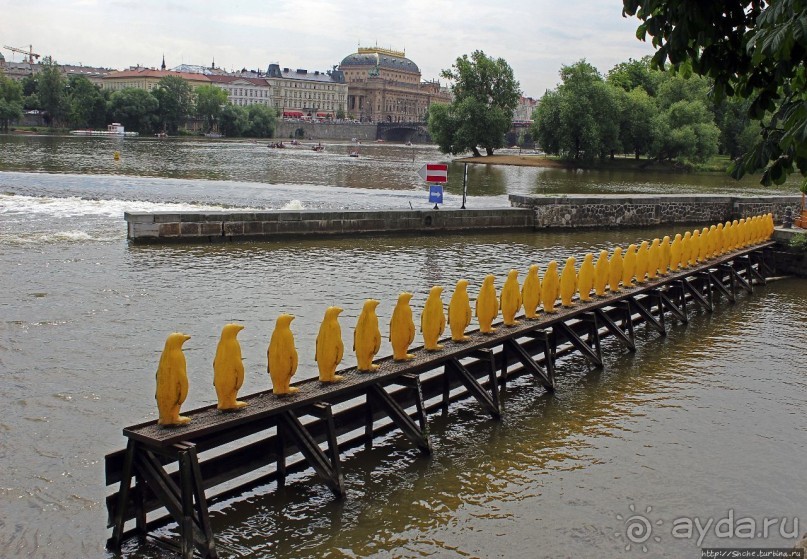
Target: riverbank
(717,165)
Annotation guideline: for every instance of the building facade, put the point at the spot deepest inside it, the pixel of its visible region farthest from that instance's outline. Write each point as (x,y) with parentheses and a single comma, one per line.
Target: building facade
(148,78)
(303,94)
(385,86)
(244,91)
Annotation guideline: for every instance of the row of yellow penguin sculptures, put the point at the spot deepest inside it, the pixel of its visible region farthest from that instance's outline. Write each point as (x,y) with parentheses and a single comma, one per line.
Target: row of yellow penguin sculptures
(608,274)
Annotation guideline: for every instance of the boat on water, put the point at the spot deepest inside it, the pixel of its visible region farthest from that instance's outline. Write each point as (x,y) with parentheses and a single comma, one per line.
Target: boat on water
(114,129)
(354,153)
(213,135)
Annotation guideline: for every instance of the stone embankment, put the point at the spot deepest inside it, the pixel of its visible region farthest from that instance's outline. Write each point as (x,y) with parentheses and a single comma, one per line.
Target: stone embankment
(230,226)
(637,210)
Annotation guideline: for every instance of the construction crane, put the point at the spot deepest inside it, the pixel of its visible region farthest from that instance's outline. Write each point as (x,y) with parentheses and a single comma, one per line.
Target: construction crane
(30,53)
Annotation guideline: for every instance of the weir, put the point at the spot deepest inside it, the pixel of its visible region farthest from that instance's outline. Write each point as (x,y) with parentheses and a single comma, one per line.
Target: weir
(175,474)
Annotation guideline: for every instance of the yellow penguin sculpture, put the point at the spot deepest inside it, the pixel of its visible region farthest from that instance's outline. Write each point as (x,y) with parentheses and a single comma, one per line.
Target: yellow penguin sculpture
(585,278)
(601,274)
(615,270)
(367,337)
(629,266)
(433,319)
(675,253)
(550,287)
(771,227)
(329,346)
(511,298)
(172,381)
(742,227)
(642,262)
(487,305)
(228,368)
(720,240)
(728,236)
(664,255)
(282,356)
(459,311)
(694,247)
(735,235)
(686,249)
(531,292)
(711,244)
(653,259)
(568,282)
(402,328)
(704,251)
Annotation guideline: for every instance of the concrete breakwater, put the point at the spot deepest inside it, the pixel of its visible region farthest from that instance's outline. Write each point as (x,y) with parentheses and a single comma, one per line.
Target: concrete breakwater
(636,210)
(159,227)
(528,212)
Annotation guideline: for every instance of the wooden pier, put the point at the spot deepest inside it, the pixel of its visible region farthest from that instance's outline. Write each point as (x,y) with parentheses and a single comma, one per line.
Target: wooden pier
(174,474)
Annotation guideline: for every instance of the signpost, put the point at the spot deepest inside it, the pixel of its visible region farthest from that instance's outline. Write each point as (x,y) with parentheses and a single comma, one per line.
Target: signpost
(435,173)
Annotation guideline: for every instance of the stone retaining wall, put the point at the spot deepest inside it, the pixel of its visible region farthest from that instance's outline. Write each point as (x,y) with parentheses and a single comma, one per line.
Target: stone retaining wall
(227,226)
(287,129)
(788,261)
(579,210)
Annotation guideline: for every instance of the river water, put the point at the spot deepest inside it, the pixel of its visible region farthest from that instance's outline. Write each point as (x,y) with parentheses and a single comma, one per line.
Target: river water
(707,423)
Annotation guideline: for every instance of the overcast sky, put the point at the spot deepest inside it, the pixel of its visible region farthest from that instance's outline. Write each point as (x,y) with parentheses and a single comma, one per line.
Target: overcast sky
(536,37)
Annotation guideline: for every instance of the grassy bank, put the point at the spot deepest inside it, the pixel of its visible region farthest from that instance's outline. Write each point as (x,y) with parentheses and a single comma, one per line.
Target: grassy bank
(717,164)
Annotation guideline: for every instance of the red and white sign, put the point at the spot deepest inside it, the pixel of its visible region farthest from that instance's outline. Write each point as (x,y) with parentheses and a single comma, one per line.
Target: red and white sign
(434,172)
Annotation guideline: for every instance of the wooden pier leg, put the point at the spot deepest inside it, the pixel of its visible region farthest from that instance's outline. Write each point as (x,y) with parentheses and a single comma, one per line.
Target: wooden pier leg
(627,323)
(413,382)
(368,422)
(114,542)
(280,449)
(717,281)
(626,337)
(579,344)
(139,496)
(309,448)
(186,494)
(206,541)
(593,333)
(401,419)
(486,355)
(546,376)
(446,390)
(323,411)
(505,357)
(474,388)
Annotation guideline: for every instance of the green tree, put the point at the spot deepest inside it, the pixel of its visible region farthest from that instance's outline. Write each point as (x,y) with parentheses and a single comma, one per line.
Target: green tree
(581,119)
(340,114)
(10,101)
(634,73)
(637,124)
(737,131)
(51,92)
(134,108)
(685,131)
(754,49)
(261,121)
(233,120)
(175,102)
(209,102)
(86,102)
(485,96)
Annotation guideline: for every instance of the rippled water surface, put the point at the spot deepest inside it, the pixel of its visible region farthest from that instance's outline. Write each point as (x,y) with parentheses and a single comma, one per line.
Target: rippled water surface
(705,421)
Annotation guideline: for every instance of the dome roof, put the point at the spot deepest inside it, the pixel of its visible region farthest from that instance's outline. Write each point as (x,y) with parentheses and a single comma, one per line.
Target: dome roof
(381,59)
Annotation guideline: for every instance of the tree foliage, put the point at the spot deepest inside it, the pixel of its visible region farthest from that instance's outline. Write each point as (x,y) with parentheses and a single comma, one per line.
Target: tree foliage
(209,102)
(233,120)
(135,108)
(175,100)
(10,101)
(754,49)
(51,91)
(262,121)
(86,103)
(485,96)
(588,116)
